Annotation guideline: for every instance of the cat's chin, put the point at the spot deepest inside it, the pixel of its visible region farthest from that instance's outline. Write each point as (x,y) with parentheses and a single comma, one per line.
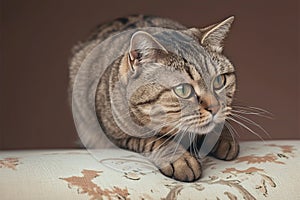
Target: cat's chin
(213,125)
(207,128)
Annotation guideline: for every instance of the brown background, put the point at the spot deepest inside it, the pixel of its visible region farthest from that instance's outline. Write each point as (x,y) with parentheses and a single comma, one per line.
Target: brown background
(36,38)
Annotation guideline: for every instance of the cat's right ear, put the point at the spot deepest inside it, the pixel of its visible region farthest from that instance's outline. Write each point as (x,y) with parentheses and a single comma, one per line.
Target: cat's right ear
(213,36)
(141,44)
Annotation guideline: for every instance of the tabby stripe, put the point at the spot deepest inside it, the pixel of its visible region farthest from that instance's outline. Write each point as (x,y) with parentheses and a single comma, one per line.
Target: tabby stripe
(206,65)
(143,146)
(172,105)
(127,141)
(147,146)
(138,145)
(230,85)
(131,144)
(215,68)
(229,96)
(174,111)
(173,169)
(188,71)
(135,144)
(150,101)
(152,145)
(228,152)
(189,165)
(216,147)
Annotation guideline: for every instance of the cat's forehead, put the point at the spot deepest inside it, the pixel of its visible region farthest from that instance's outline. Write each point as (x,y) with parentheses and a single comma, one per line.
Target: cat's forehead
(202,69)
(173,74)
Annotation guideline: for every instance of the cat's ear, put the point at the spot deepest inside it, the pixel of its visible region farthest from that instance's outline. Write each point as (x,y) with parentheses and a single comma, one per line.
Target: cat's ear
(140,44)
(214,35)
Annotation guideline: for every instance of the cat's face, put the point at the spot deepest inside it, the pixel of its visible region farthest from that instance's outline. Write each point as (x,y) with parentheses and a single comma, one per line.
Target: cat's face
(173,94)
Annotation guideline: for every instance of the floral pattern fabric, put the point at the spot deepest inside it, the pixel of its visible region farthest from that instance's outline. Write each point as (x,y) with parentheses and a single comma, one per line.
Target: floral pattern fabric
(263,170)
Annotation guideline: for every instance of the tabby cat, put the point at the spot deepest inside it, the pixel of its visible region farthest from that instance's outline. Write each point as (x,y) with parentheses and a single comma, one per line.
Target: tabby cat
(192,106)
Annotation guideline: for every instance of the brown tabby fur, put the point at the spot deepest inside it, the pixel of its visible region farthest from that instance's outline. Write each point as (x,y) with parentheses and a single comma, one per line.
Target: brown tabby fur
(187,166)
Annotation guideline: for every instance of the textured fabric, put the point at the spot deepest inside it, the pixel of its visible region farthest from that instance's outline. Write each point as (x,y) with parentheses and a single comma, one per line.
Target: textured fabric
(264,170)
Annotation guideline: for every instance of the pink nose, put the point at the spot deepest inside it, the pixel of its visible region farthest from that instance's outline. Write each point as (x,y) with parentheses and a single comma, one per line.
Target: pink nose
(210,103)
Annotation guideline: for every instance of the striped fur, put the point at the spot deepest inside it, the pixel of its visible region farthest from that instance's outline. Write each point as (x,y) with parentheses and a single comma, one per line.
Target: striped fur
(193,117)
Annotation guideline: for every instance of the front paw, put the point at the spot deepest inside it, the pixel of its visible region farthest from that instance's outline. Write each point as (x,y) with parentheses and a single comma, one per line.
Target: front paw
(187,168)
(226,149)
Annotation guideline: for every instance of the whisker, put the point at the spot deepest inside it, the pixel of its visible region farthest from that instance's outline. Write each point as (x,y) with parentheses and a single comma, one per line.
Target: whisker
(231,128)
(191,139)
(251,113)
(249,121)
(166,134)
(178,142)
(253,109)
(246,127)
(231,131)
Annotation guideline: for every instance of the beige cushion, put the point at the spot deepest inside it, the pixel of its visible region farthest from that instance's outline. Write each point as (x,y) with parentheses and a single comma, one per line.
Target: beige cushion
(264,170)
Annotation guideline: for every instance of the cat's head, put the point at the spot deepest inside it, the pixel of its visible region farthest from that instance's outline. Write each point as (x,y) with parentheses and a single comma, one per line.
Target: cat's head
(169,92)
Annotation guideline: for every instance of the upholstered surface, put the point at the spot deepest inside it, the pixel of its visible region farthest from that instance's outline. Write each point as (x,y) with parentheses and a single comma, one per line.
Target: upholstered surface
(264,170)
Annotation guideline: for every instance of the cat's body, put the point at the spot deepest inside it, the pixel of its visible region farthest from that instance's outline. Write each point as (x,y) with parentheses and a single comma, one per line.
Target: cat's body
(192,93)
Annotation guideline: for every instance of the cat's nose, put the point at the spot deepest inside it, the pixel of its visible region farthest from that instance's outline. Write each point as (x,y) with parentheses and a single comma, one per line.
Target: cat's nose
(210,103)
(213,109)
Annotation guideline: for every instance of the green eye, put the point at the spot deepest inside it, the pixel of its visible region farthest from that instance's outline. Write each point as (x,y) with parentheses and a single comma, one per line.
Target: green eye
(219,82)
(184,90)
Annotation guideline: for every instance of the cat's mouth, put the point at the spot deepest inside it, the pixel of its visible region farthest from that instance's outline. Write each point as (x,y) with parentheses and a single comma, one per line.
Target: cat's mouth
(199,128)
(207,125)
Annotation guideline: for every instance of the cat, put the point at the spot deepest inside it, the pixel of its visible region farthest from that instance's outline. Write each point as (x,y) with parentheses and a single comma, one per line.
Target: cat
(194,103)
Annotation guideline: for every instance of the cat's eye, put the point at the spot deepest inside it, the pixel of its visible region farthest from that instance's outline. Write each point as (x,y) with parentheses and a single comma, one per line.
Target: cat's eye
(184,90)
(219,82)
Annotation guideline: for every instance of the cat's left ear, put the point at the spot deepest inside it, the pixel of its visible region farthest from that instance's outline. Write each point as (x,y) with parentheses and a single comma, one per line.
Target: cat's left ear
(141,47)
(213,36)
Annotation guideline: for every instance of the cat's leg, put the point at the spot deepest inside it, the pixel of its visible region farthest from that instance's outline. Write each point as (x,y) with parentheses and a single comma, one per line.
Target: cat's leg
(172,159)
(227,146)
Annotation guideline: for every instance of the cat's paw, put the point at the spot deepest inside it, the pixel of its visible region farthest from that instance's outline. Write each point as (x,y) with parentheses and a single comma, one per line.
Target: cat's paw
(187,168)
(226,149)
